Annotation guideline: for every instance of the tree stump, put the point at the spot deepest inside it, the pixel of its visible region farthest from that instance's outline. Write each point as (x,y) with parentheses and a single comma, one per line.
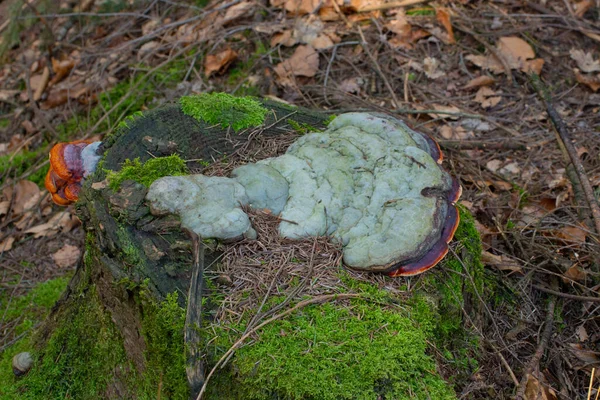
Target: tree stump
(118,330)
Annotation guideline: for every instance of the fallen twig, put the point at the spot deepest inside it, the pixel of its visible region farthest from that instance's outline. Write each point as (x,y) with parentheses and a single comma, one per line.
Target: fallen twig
(567,295)
(568,149)
(539,352)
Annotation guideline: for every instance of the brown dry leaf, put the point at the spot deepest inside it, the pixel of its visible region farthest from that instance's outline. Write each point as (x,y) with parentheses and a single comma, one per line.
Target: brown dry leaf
(237,11)
(582,333)
(4,206)
(511,168)
(575,273)
(29,127)
(304,62)
(502,262)
(7,95)
(430,67)
(493,165)
(582,7)
(455,133)
(517,54)
(482,80)
(536,390)
(297,7)
(593,81)
(352,85)
(219,62)
(67,256)
(27,195)
(587,356)
(150,26)
(487,98)
(585,61)
(6,244)
(449,109)
(490,63)
(61,69)
(405,36)
(443,17)
(62,221)
(572,234)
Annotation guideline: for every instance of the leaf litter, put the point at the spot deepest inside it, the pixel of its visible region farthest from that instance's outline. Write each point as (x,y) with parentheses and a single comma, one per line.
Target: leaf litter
(493,129)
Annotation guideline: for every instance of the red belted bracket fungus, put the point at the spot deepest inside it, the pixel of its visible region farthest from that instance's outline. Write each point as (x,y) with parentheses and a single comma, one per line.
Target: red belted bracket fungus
(368,181)
(70,163)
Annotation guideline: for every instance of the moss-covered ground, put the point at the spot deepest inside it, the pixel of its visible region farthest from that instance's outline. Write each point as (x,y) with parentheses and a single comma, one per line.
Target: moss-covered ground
(147,172)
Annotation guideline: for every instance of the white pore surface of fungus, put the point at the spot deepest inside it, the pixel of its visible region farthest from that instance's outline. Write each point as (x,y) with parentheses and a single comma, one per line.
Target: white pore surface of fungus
(361,182)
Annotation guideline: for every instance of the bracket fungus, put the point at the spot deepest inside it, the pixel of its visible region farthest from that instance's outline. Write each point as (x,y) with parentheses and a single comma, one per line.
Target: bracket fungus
(368,181)
(70,163)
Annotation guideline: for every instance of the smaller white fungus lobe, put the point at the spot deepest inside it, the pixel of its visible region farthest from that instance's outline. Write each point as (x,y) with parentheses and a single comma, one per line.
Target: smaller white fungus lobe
(360,182)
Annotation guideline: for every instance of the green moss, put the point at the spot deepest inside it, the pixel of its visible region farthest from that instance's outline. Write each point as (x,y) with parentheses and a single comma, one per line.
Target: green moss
(224,109)
(131,254)
(79,358)
(162,328)
(15,165)
(364,350)
(421,12)
(301,128)
(147,172)
(4,123)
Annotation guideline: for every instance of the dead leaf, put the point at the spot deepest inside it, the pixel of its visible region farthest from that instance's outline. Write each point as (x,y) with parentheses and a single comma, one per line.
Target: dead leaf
(482,80)
(443,17)
(448,109)
(27,195)
(29,127)
(237,11)
(582,333)
(584,355)
(39,84)
(455,133)
(585,61)
(63,221)
(593,81)
(297,7)
(582,7)
(430,67)
(536,390)
(501,262)
(4,206)
(575,273)
(7,95)
(512,168)
(405,36)
(67,256)
(572,234)
(486,97)
(219,62)
(150,26)
(61,70)
(493,165)
(304,62)
(6,244)
(516,53)
(352,85)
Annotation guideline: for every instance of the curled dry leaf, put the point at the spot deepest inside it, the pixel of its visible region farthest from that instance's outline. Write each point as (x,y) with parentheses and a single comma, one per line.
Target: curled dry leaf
(582,333)
(536,390)
(516,53)
(61,70)
(443,17)
(63,221)
(431,68)
(592,81)
(589,357)
(487,98)
(482,80)
(27,195)
(238,11)
(572,234)
(405,36)
(67,256)
(304,62)
(449,112)
(455,133)
(585,61)
(4,206)
(297,7)
(6,244)
(582,7)
(501,262)
(575,273)
(219,62)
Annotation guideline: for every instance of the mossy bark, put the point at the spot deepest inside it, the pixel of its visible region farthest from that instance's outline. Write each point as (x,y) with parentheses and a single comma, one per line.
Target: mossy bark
(121,318)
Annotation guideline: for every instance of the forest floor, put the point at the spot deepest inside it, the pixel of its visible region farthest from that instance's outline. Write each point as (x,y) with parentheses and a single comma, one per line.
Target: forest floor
(460,71)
